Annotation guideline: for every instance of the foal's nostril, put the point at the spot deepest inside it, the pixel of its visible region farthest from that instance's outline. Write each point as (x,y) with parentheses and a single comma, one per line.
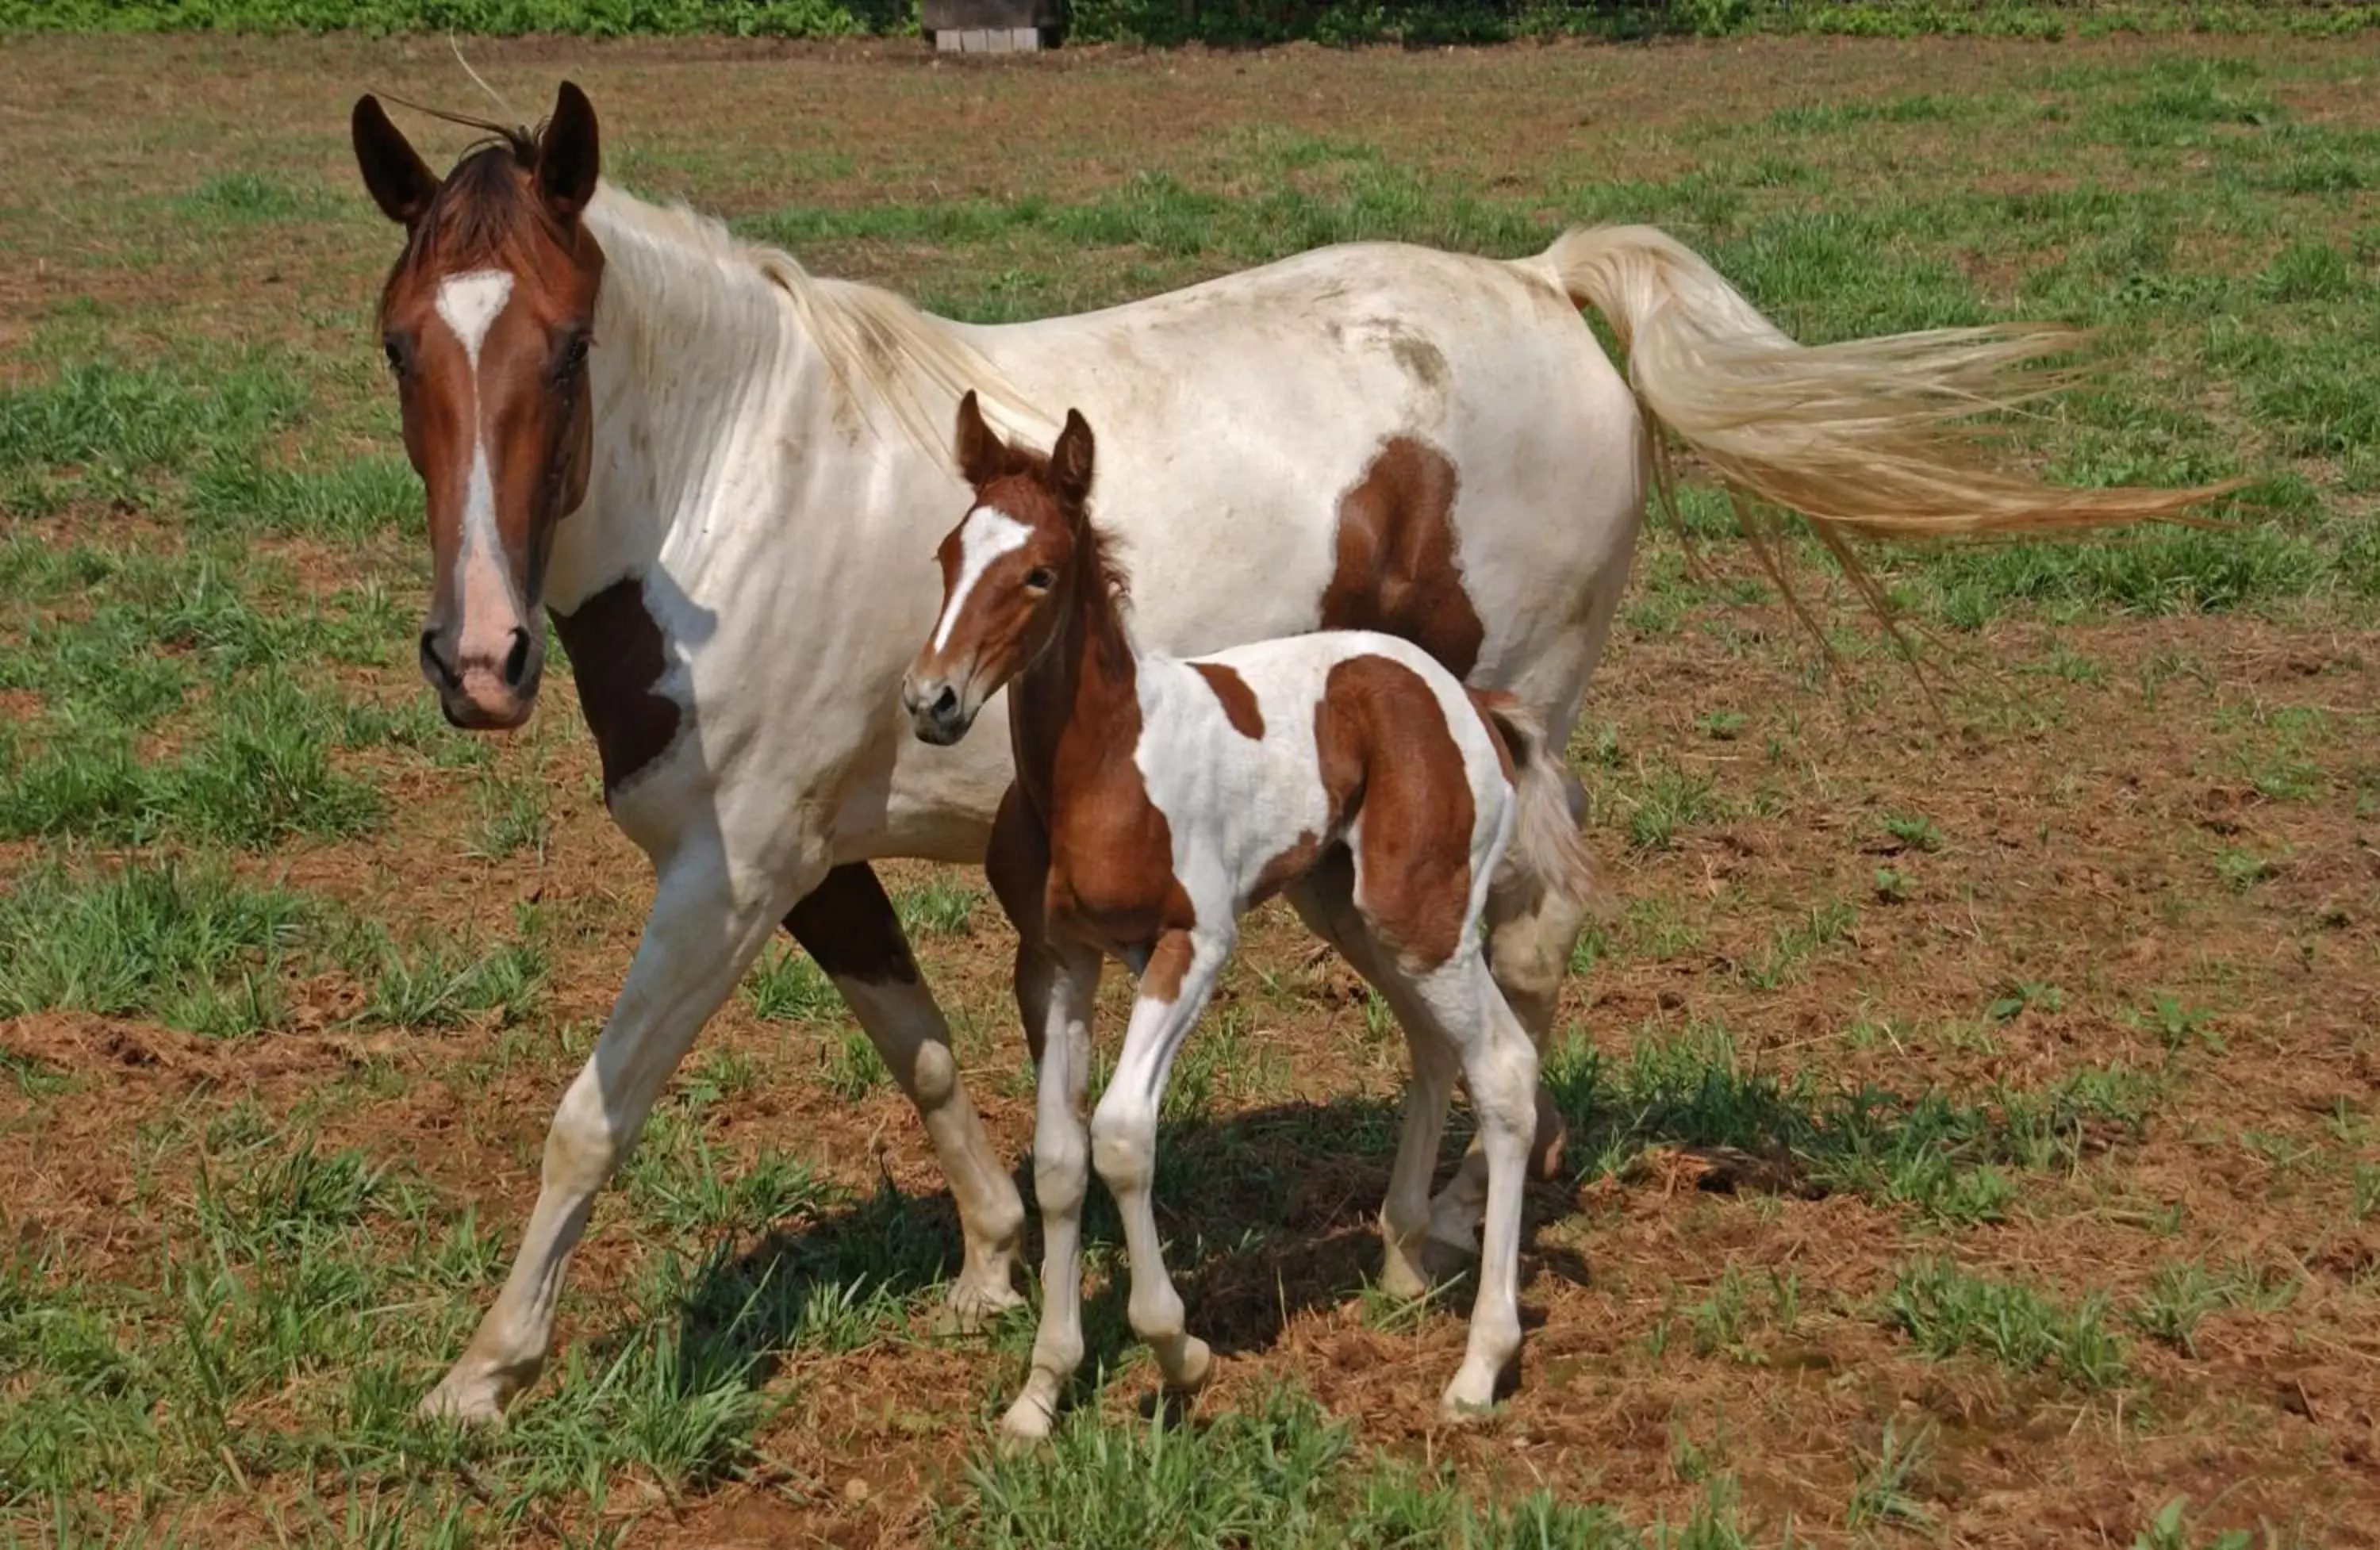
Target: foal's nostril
(517,659)
(946,704)
(435,666)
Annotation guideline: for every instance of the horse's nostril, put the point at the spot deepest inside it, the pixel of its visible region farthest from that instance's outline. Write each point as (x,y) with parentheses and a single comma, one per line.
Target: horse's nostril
(436,666)
(946,704)
(517,659)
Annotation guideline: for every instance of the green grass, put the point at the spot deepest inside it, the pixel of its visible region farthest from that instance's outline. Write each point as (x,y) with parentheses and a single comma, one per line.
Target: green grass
(186,944)
(196,729)
(1950,1311)
(1947,1156)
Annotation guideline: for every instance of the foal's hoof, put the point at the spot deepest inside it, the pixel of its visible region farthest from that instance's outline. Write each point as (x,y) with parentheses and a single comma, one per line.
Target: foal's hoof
(1026,1426)
(1467,1403)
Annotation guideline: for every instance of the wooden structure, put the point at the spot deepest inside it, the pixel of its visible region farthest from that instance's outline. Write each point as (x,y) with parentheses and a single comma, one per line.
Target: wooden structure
(993,26)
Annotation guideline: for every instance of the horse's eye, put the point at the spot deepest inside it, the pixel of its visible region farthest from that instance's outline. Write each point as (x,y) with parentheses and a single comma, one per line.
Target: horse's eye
(394,348)
(1040,579)
(574,356)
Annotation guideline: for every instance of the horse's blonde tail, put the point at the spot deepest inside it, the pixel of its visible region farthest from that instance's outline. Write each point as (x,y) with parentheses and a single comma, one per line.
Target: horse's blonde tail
(1858,436)
(1547,869)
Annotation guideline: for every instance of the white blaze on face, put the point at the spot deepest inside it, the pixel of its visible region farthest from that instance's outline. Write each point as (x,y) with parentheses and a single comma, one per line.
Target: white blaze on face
(469,305)
(988,534)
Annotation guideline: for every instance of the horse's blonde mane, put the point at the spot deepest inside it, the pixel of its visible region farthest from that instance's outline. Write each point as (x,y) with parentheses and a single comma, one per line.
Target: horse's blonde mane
(881,351)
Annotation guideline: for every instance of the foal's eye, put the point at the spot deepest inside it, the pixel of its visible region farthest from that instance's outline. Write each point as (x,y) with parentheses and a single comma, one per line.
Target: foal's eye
(394,349)
(1040,579)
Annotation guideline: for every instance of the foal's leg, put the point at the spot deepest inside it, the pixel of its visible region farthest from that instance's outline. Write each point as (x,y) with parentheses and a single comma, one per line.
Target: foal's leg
(1405,1211)
(848,925)
(1062,983)
(1529,944)
(1499,1065)
(1055,986)
(709,919)
(1174,987)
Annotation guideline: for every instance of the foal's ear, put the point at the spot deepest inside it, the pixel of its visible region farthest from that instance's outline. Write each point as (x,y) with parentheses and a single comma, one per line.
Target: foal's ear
(1070,460)
(401,184)
(981,454)
(570,154)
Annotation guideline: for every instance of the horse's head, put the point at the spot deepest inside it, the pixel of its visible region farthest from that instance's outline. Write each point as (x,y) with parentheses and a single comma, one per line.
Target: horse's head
(487,320)
(1008,568)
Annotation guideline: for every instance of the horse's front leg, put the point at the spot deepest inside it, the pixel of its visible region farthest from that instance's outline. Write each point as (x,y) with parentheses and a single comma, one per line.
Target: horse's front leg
(709,919)
(848,925)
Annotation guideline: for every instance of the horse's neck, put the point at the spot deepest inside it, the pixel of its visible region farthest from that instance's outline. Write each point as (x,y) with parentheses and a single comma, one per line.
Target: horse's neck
(1077,705)
(688,351)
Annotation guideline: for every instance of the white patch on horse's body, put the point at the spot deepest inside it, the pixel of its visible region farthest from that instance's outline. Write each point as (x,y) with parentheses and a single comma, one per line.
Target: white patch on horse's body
(469,303)
(989,534)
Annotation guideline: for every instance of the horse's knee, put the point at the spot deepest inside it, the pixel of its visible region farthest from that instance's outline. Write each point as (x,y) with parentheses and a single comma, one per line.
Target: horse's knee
(581,1145)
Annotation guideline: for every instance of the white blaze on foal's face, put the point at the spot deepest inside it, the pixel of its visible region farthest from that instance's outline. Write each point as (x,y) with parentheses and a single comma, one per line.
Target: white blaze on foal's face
(1001,570)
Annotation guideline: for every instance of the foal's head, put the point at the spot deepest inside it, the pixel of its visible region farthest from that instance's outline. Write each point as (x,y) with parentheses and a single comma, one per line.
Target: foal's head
(1010,570)
(485,320)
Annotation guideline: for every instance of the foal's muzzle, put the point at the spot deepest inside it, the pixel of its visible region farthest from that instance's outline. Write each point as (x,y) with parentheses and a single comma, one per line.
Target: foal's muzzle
(937,709)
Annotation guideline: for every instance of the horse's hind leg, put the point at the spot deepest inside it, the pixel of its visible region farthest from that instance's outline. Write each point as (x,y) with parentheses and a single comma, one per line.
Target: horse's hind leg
(1529,943)
(848,925)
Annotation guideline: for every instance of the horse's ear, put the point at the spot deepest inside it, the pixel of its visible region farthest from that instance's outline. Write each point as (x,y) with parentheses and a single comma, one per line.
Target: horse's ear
(981,457)
(401,183)
(570,154)
(1070,460)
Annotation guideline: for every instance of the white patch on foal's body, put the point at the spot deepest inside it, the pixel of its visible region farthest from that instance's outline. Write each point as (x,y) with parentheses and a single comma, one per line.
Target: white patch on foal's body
(469,305)
(989,534)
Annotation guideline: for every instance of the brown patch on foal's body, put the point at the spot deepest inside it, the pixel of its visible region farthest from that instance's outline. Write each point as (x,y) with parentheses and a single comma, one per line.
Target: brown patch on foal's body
(1397,569)
(1240,706)
(1388,759)
(618,656)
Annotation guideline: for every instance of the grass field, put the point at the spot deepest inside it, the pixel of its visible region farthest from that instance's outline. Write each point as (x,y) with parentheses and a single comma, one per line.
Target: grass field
(1976,1114)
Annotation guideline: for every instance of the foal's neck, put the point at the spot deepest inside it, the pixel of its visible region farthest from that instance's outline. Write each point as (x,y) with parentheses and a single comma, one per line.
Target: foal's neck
(1078,705)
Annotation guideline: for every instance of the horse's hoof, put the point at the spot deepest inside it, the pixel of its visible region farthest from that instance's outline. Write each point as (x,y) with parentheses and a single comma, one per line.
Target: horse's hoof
(468,1402)
(1444,1260)
(974,1306)
(1189,1372)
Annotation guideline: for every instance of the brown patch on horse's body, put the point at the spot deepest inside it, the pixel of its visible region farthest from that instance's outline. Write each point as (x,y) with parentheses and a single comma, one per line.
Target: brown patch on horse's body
(1397,569)
(1388,757)
(849,926)
(618,655)
(1240,706)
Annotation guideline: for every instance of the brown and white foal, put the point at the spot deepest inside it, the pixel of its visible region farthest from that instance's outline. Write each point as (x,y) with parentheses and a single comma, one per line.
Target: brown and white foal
(1157,800)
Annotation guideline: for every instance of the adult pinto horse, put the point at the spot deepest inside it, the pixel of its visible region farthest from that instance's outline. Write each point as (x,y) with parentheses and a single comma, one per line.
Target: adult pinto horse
(725,478)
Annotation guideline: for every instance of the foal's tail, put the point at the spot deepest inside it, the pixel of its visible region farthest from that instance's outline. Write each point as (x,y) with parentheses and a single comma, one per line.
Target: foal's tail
(1547,860)
(1856,436)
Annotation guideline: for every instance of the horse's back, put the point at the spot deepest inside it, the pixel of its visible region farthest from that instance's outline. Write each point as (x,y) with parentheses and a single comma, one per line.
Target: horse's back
(1318,440)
